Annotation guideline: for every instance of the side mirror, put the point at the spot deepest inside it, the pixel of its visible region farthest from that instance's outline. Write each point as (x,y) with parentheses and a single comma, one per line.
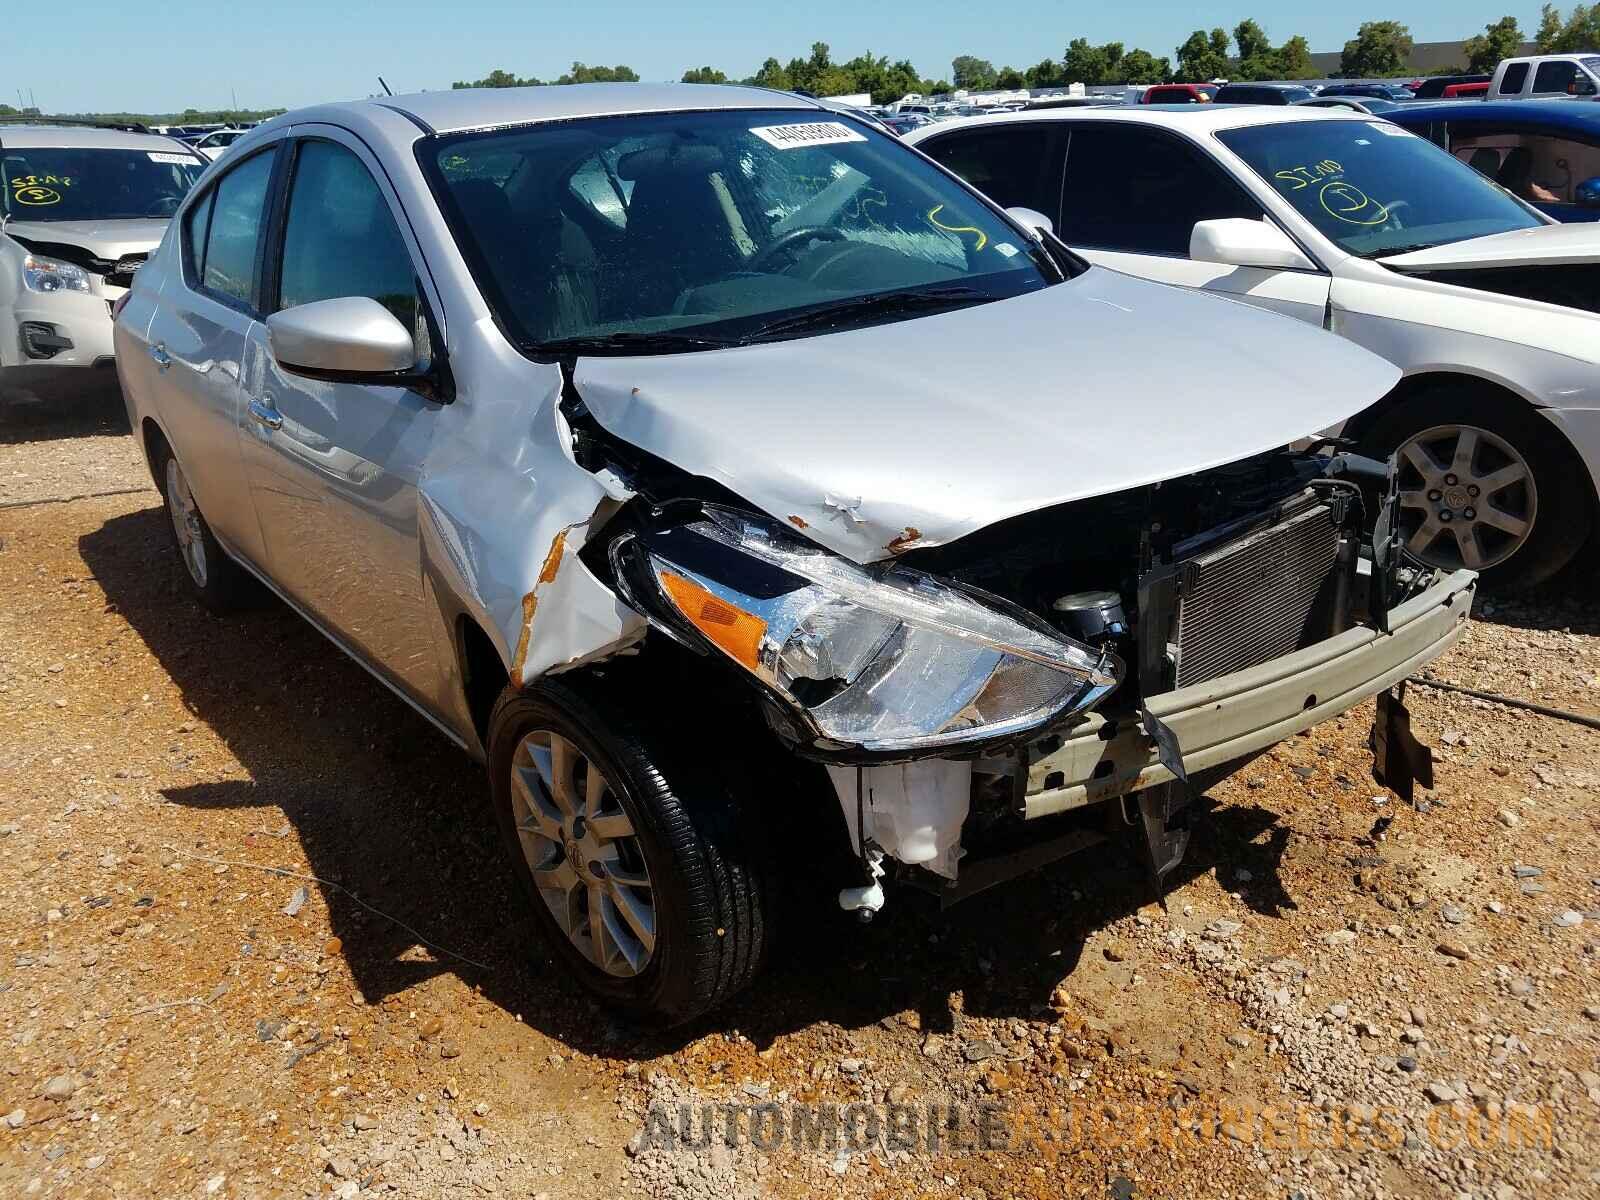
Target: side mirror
(352,339)
(1034,221)
(1239,242)
(1587,193)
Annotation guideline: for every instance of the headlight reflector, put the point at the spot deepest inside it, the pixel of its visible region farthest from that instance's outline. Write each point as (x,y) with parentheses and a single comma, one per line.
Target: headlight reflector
(883,659)
(52,275)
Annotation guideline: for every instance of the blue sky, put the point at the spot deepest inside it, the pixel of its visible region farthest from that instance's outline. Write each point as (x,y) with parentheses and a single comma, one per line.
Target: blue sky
(152,58)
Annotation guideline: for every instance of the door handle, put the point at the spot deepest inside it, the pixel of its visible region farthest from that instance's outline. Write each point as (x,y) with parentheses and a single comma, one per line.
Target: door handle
(159,353)
(266,414)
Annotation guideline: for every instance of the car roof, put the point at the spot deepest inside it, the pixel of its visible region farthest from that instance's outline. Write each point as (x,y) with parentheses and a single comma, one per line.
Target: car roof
(1194,117)
(462,109)
(1573,116)
(80,137)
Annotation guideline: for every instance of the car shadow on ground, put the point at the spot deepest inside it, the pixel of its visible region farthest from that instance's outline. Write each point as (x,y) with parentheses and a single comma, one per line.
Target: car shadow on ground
(384,806)
(95,413)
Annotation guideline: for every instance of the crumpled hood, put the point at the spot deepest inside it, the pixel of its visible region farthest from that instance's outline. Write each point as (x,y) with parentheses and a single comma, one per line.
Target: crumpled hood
(915,433)
(1544,245)
(109,240)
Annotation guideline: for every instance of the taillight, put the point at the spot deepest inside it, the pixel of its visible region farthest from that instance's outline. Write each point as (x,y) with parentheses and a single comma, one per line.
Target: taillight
(119,304)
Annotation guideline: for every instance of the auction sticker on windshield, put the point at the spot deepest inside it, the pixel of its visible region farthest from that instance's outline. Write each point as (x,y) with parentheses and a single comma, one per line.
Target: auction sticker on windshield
(815,133)
(162,156)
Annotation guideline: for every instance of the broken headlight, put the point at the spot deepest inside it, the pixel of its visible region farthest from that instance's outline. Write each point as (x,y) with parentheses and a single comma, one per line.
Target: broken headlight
(882,659)
(52,275)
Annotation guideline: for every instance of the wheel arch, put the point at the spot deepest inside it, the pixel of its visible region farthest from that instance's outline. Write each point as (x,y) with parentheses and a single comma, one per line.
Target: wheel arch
(152,439)
(1412,386)
(482,671)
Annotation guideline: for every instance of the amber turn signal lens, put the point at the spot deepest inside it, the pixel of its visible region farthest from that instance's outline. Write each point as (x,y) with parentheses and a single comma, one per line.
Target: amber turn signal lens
(732,630)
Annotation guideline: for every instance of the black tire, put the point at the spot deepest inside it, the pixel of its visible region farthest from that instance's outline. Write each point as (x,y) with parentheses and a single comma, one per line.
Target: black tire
(220,584)
(1564,511)
(708,866)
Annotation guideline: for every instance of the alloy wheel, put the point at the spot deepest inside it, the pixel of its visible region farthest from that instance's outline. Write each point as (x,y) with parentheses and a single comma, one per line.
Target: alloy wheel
(1467,497)
(186,522)
(580,846)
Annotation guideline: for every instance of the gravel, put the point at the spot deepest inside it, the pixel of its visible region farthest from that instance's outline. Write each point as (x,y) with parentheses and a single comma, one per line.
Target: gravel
(58,1087)
(249,740)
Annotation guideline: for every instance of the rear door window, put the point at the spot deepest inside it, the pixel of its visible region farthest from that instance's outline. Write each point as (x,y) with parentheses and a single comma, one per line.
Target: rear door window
(234,232)
(1142,191)
(1014,165)
(1515,79)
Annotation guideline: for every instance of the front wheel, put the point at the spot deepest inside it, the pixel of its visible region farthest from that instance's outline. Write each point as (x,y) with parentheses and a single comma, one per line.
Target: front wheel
(1484,484)
(644,874)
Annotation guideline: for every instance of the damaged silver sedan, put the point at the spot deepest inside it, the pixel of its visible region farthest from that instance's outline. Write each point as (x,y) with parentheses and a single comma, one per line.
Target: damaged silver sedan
(744,489)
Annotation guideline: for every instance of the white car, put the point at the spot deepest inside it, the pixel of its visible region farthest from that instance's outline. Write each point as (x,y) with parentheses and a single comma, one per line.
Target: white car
(1547,75)
(213,144)
(1488,306)
(81,209)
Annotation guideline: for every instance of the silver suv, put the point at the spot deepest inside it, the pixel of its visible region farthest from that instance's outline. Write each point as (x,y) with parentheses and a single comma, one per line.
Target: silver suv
(747,492)
(80,209)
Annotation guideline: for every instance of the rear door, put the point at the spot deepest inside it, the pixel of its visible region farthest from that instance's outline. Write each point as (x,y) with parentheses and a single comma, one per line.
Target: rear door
(1132,197)
(1512,80)
(197,341)
(333,467)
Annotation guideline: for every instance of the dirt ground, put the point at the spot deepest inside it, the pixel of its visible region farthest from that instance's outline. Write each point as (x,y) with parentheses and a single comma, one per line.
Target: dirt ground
(256,940)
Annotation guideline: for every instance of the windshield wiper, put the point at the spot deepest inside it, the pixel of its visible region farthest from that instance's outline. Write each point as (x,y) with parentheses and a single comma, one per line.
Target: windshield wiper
(882,304)
(628,342)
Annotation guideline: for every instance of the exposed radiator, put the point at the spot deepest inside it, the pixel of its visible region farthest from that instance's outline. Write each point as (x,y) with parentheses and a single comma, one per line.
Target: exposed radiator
(1251,600)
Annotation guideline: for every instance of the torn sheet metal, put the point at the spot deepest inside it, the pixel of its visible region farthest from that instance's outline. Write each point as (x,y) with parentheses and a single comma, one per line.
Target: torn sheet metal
(570,618)
(503,512)
(859,436)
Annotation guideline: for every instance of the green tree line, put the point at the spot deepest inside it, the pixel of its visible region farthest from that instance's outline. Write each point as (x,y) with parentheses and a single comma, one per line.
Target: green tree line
(1579,31)
(1380,48)
(189,116)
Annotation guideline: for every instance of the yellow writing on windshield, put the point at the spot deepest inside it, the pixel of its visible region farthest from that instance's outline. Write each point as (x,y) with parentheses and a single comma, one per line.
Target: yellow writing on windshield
(1339,198)
(869,198)
(933,219)
(1344,201)
(37,190)
(1303,177)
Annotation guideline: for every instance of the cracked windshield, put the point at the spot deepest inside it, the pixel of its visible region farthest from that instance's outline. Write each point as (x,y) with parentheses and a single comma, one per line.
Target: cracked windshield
(716,223)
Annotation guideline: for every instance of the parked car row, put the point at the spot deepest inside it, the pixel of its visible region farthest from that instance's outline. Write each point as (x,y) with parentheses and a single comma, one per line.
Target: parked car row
(1545,76)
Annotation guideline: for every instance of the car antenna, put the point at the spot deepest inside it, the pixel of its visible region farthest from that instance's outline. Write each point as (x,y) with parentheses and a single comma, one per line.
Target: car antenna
(387,91)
